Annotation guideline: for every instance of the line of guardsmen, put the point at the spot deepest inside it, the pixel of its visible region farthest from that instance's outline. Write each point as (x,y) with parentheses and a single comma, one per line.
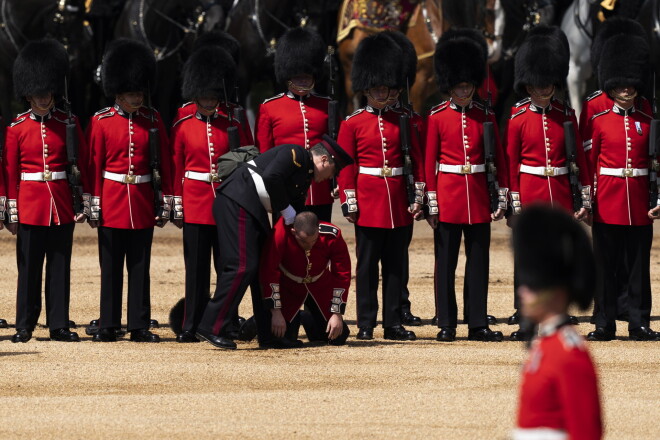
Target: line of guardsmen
(125,176)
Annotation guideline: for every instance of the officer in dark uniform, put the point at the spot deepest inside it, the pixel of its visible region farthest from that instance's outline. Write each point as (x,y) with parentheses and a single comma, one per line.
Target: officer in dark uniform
(275,181)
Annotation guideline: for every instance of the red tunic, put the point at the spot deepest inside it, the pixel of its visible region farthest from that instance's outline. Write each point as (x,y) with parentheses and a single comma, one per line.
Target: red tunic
(620,141)
(119,143)
(454,136)
(190,108)
(372,138)
(535,137)
(290,119)
(328,258)
(38,145)
(559,389)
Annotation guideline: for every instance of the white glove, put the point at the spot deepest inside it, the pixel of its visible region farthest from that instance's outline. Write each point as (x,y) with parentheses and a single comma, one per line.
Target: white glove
(289,214)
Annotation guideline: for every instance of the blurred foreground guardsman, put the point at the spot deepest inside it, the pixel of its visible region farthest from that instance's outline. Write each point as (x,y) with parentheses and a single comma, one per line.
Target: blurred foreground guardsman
(464,192)
(306,264)
(40,202)
(559,391)
(542,165)
(376,192)
(130,172)
(623,224)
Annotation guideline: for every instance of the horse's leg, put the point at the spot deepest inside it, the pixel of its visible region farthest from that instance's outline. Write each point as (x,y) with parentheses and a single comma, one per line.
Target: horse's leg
(346,51)
(424,84)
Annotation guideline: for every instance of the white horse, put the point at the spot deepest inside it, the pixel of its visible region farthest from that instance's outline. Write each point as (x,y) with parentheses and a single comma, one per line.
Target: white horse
(577,26)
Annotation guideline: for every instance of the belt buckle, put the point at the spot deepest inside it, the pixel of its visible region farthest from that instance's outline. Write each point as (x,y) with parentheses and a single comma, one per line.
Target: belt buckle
(130,179)
(466,169)
(307,280)
(386,172)
(213,177)
(628,172)
(549,171)
(48,176)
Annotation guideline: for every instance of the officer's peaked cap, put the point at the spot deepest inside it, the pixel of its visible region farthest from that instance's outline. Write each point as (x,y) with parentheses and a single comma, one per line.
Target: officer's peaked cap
(377,62)
(41,68)
(128,66)
(552,251)
(609,28)
(542,59)
(624,62)
(299,51)
(459,57)
(409,56)
(221,39)
(339,155)
(209,72)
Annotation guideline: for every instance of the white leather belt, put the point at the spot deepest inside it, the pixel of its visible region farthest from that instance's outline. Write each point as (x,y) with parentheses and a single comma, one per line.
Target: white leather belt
(301,280)
(539,434)
(127,178)
(203,177)
(624,172)
(544,171)
(46,176)
(382,172)
(261,187)
(459,169)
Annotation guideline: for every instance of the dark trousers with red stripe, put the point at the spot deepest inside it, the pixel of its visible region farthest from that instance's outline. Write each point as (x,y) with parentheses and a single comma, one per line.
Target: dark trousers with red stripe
(241,237)
(477,244)
(35,244)
(199,243)
(134,247)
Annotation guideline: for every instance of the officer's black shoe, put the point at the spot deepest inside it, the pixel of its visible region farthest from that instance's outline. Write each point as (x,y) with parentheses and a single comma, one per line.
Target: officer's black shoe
(446,334)
(186,336)
(484,334)
(399,333)
(643,334)
(72,324)
(93,327)
(573,320)
(144,335)
(3,323)
(491,320)
(514,319)
(521,335)
(281,344)
(153,323)
(216,341)
(105,335)
(600,334)
(408,318)
(22,335)
(248,329)
(434,321)
(365,333)
(64,335)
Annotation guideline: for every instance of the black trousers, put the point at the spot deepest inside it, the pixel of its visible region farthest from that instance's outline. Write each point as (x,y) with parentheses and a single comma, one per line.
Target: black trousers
(616,247)
(323,212)
(134,247)
(241,237)
(199,243)
(33,245)
(405,293)
(389,247)
(477,244)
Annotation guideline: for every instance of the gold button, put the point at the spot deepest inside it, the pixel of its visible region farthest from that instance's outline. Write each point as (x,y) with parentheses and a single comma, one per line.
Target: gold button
(132,166)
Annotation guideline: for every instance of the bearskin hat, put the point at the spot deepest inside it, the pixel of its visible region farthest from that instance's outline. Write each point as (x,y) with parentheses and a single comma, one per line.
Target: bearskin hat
(209,72)
(559,258)
(459,57)
(409,56)
(299,51)
(128,66)
(221,39)
(41,68)
(542,59)
(611,27)
(377,62)
(624,61)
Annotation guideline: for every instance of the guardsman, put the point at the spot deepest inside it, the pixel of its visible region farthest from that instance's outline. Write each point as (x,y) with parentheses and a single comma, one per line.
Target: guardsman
(298,116)
(198,140)
(559,391)
(124,205)
(3,198)
(373,191)
(623,224)
(39,197)
(536,150)
(307,264)
(275,181)
(459,198)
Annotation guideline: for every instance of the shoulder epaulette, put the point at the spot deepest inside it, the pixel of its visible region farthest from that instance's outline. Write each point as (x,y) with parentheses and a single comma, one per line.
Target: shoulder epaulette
(105,115)
(273,98)
(523,102)
(519,112)
(184,105)
(570,339)
(102,111)
(181,120)
(440,107)
(18,121)
(325,228)
(320,96)
(595,94)
(356,112)
(641,112)
(600,114)
(22,114)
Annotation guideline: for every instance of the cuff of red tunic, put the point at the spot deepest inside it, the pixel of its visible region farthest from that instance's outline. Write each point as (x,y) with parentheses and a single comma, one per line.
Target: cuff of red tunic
(95,208)
(585,193)
(350,206)
(3,207)
(419,192)
(87,204)
(337,304)
(274,301)
(515,202)
(13,210)
(178,207)
(502,199)
(432,203)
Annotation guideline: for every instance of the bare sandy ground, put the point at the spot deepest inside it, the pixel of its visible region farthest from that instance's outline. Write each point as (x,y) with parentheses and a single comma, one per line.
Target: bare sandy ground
(379,389)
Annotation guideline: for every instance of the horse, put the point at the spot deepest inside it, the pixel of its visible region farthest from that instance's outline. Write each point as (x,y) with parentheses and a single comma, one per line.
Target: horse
(423,26)
(25,20)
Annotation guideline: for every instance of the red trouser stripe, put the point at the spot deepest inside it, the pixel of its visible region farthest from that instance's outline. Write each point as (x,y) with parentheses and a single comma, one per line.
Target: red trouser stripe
(240,273)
